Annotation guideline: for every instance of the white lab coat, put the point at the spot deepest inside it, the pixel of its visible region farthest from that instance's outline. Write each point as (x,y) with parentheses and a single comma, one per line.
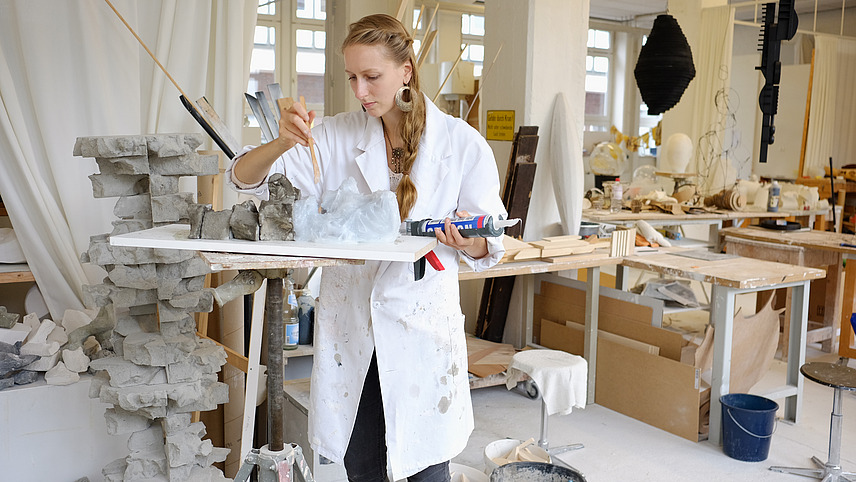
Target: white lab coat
(416,327)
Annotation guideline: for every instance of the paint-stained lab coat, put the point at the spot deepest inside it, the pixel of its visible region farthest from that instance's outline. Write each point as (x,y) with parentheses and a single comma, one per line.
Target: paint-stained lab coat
(416,327)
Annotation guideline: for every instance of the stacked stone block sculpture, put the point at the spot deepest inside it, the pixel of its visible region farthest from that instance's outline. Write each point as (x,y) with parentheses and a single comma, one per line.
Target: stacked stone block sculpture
(162,371)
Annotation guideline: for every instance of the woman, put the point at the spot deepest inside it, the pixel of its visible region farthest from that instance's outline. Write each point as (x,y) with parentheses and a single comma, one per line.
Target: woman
(389,377)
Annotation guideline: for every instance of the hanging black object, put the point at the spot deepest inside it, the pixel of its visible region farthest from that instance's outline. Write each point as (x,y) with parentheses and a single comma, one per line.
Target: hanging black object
(665,65)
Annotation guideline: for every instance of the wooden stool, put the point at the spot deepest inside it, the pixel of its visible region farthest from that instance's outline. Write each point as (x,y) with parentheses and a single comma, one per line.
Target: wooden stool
(840,377)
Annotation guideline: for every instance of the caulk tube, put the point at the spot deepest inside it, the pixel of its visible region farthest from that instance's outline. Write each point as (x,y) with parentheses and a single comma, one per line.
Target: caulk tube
(470,227)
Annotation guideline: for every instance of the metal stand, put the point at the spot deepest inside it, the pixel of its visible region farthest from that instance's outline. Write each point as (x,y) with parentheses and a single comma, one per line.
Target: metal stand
(544,444)
(830,471)
(274,466)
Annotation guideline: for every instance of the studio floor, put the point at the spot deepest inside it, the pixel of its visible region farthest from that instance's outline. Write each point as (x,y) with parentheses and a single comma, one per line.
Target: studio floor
(618,447)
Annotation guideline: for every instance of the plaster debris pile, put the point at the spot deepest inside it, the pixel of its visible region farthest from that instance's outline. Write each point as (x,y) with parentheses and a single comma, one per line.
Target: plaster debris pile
(161,370)
(273,220)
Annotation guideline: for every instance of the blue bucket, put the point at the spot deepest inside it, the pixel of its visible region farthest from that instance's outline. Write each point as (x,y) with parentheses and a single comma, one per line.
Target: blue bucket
(748,423)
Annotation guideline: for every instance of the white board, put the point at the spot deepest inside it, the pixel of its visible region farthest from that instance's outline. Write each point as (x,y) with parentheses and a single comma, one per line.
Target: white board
(783,155)
(174,236)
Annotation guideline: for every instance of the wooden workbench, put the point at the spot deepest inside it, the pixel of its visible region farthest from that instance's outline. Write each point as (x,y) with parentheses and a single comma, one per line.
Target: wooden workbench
(728,278)
(816,249)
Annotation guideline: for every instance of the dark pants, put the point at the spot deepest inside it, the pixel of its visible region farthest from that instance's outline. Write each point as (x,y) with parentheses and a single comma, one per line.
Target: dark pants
(365,459)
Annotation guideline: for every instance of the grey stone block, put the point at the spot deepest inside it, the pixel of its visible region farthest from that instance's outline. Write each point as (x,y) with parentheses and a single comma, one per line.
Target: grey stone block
(195,266)
(183,446)
(196,302)
(115,470)
(185,165)
(169,288)
(143,465)
(281,189)
(110,146)
(123,165)
(133,207)
(126,374)
(9,348)
(161,185)
(244,221)
(215,225)
(96,296)
(153,349)
(152,436)
(169,256)
(175,422)
(7,382)
(185,326)
(115,185)
(165,145)
(140,276)
(11,362)
(128,297)
(276,221)
(25,377)
(125,226)
(171,208)
(168,313)
(195,215)
(139,310)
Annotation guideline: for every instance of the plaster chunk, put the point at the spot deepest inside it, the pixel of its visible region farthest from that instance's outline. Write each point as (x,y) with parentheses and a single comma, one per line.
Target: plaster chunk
(175,422)
(15,334)
(160,185)
(97,295)
(126,374)
(134,207)
(101,327)
(189,268)
(204,474)
(74,319)
(91,347)
(115,185)
(40,334)
(195,214)
(32,322)
(153,349)
(169,288)
(115,470)
(244,221)
(146,438)
(44,363)
(141,276)
(276,221)
(75,360)
(168,256)
(183,446)
(145,464)
(60,375)
(129,297)
(171,208)
(185,326)
(99,379)
(8,320)
(142,310)
(45,349)
(215,225)
(199,301)
(121,421)
(123,165)
(191,164)
(183,372)
(174,144)
(58,335)
(110,146)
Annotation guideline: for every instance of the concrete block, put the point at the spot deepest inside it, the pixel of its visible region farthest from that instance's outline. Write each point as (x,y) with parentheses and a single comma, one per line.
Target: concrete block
(75,360)
(215,225)
(115,185)
(134,207)
(123,165)
(140,276)
(185,165)
(173,144)
(161,185)
(110,146)
(171,208)
(60,375)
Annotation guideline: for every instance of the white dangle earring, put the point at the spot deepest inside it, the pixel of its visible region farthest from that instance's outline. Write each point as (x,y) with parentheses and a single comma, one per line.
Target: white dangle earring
(405,106)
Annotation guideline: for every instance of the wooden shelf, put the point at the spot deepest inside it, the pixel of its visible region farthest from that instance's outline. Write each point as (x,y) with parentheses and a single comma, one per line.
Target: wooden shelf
(15,273)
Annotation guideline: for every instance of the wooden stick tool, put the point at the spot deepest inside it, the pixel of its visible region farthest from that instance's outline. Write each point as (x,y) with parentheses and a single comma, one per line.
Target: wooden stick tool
(285,103)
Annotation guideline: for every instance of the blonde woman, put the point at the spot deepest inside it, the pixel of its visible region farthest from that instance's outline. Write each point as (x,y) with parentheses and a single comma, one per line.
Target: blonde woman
(389,380)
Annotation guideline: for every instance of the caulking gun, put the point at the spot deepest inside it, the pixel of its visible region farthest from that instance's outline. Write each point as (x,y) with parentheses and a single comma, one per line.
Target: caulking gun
(470,227)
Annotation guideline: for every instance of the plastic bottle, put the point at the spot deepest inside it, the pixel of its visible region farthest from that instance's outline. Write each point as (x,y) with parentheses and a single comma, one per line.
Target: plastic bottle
(773,198)
(306,316)
(617,202)
(289,317)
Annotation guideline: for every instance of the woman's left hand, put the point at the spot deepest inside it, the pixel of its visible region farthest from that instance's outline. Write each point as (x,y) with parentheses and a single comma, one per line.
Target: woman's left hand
(474,247)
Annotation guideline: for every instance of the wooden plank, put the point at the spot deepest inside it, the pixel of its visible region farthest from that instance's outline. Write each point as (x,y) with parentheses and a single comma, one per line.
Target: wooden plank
(15,273)
(653,389)
(605,335)
(174,236)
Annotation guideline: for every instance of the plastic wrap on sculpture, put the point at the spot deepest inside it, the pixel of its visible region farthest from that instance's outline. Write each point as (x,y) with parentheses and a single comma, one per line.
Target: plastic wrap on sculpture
(608,159)
(665,65)
(347,216)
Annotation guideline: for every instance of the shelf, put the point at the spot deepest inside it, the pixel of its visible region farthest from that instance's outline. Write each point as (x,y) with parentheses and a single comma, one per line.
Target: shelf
(15,273)
(301,350)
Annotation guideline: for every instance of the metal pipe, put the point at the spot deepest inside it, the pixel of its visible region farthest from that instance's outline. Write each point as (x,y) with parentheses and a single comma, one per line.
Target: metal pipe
(835,430)
(542,442)
(275,393)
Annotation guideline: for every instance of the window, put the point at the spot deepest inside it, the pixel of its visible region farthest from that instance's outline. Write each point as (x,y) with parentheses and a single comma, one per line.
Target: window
(297,63)
(598,74)
(472,34)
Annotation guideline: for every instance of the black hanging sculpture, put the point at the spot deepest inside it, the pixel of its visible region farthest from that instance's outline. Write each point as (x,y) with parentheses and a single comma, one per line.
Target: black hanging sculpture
(665,65)
(772,35)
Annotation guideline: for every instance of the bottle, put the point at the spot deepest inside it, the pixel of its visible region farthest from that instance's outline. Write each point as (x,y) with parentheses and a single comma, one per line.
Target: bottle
(773,198)
(305,315)
(289,315)
(617,202)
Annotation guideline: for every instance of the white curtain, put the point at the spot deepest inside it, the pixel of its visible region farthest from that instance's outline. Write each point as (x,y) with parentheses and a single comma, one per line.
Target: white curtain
(71,69)
(832,114)
(710,122)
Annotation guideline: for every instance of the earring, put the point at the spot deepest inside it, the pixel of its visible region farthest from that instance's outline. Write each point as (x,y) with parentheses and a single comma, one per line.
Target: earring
(405,106)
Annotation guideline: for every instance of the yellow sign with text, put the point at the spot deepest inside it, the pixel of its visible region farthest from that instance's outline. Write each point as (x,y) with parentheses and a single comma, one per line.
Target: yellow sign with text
(500,125)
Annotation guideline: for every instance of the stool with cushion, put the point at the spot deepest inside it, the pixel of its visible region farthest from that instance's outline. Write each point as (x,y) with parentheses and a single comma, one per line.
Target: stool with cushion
(840,377)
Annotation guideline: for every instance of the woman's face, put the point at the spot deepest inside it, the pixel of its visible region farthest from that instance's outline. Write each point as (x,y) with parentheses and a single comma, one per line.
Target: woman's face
(374,77)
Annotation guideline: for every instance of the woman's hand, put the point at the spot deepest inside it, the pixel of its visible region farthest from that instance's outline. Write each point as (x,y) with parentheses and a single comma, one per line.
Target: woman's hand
(474,247)
(294,126)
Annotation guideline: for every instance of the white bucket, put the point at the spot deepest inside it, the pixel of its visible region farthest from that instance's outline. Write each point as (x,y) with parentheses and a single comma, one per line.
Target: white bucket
(501,448)
(459,471)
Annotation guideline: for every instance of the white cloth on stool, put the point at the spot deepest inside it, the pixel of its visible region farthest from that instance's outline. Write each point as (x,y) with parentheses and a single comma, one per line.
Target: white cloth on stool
(561,377)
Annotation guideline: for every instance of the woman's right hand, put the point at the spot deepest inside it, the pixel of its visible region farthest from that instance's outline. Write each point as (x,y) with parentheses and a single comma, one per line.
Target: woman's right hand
(294,125)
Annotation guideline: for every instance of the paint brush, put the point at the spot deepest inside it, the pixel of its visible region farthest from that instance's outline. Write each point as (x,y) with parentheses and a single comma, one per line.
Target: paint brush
(285,104)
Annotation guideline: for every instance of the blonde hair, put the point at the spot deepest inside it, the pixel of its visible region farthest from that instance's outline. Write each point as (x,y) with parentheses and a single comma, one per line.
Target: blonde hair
(387,32)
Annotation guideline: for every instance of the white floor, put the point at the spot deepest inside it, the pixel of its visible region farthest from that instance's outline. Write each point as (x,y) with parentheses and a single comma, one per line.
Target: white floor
(618,447)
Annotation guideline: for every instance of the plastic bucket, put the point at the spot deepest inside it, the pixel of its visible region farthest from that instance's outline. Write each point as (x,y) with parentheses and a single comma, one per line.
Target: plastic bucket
(535,472)
(748,423)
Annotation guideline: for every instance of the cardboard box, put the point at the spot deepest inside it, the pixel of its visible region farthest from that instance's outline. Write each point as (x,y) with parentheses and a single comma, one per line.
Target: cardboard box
(656,389)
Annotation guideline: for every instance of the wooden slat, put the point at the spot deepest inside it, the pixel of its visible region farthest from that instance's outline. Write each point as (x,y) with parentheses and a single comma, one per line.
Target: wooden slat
(233,358)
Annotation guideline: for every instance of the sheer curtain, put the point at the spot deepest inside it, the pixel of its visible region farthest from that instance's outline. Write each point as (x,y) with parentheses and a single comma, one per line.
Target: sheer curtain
(832,114)
(710,122)
(71,69)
